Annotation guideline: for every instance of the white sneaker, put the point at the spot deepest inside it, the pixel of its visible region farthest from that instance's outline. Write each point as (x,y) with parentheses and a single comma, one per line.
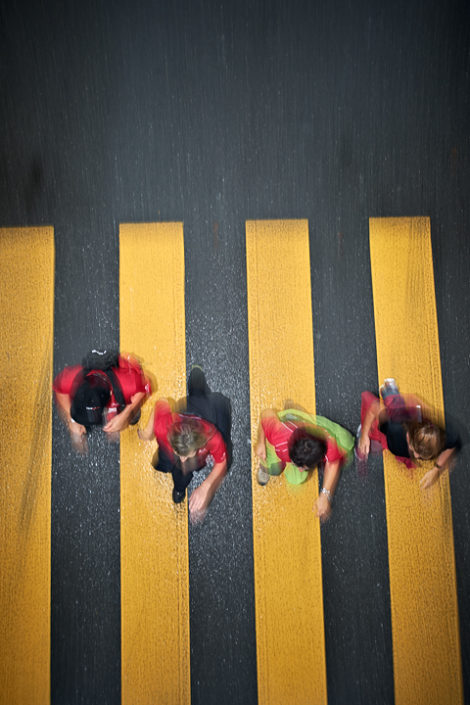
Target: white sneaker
(388,388)
(262,476)
(358,435)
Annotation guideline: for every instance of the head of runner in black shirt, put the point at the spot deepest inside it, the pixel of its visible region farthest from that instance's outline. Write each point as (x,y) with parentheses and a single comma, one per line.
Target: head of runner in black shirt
(420,440)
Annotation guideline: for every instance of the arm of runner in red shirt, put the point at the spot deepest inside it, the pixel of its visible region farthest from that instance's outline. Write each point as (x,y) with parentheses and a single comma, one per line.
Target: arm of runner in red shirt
(121,421)
(147,433)
(268,425)
(260,448)
(203,495)
(160,418)
(64,403)
(136,388)
(322,506)
(331,474)
(372,414)
(62,387)
(277,433)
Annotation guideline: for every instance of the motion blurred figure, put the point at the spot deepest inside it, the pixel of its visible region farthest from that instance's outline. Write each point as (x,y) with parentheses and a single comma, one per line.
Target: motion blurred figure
(198,432)
(295,442)
(404,427)
(106,390)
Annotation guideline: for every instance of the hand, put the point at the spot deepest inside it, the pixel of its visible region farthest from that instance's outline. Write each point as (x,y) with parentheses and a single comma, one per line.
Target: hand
(364,445)
(76,429)
(260,450)
(429,478)
(78,437)
(198,503)
(322,507)
(116,424)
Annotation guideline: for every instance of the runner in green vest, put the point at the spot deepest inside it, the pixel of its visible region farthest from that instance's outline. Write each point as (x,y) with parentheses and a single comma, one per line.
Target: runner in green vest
(293,442)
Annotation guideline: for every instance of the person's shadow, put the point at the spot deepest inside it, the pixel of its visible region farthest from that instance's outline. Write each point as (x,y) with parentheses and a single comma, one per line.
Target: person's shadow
(214,407)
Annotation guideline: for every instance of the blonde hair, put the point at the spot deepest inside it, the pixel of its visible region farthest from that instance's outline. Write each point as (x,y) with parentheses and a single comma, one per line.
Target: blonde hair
(187,436)
(426,439)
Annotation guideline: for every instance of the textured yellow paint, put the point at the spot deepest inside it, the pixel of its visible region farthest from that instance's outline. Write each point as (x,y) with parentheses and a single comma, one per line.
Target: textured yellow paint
(286,534)
(26,312)
(426,649)
(154,531)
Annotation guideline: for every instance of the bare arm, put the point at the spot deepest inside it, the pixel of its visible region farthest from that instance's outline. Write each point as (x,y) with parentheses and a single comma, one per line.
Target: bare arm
(260,448)
(64,404)
(121,420)
(147,434)
(372,414)
(77,430)
(204,494)
(443,461)
(331,476)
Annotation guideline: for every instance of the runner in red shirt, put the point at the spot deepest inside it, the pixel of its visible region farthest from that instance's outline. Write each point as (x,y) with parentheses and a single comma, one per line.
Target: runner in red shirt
(188,438)
(107,390)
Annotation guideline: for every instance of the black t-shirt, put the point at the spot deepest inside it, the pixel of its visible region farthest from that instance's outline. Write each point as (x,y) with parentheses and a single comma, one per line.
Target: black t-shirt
(398,445)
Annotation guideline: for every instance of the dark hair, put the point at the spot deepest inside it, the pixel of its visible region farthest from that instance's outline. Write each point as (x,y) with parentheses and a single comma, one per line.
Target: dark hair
(305,449)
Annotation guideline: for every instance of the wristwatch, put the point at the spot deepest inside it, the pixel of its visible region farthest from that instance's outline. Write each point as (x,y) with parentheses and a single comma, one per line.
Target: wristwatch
(328,494)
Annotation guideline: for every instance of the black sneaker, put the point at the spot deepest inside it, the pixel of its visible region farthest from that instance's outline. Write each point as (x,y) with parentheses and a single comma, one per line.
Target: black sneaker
(178,496)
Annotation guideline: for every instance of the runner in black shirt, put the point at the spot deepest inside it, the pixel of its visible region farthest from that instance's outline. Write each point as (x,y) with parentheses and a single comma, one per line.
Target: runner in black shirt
(405,428)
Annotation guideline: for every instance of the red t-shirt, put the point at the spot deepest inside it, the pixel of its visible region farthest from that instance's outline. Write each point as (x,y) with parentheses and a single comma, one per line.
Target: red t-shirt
(129,374)
(164,420)
(278,434)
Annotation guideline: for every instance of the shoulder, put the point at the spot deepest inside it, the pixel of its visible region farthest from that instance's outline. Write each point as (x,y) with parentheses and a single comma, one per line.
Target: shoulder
(216,444)
(333,452)
(130,374)
(162,408)
(163,419)
(127,363)
(270,422)
(64,381)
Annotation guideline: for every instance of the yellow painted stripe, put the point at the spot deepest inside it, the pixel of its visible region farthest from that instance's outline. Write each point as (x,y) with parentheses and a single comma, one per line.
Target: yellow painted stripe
(426,650)
(286,535)
(154,532)
(26,342)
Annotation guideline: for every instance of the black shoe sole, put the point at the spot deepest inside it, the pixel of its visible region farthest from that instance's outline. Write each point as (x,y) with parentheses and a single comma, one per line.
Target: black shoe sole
(178,497)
